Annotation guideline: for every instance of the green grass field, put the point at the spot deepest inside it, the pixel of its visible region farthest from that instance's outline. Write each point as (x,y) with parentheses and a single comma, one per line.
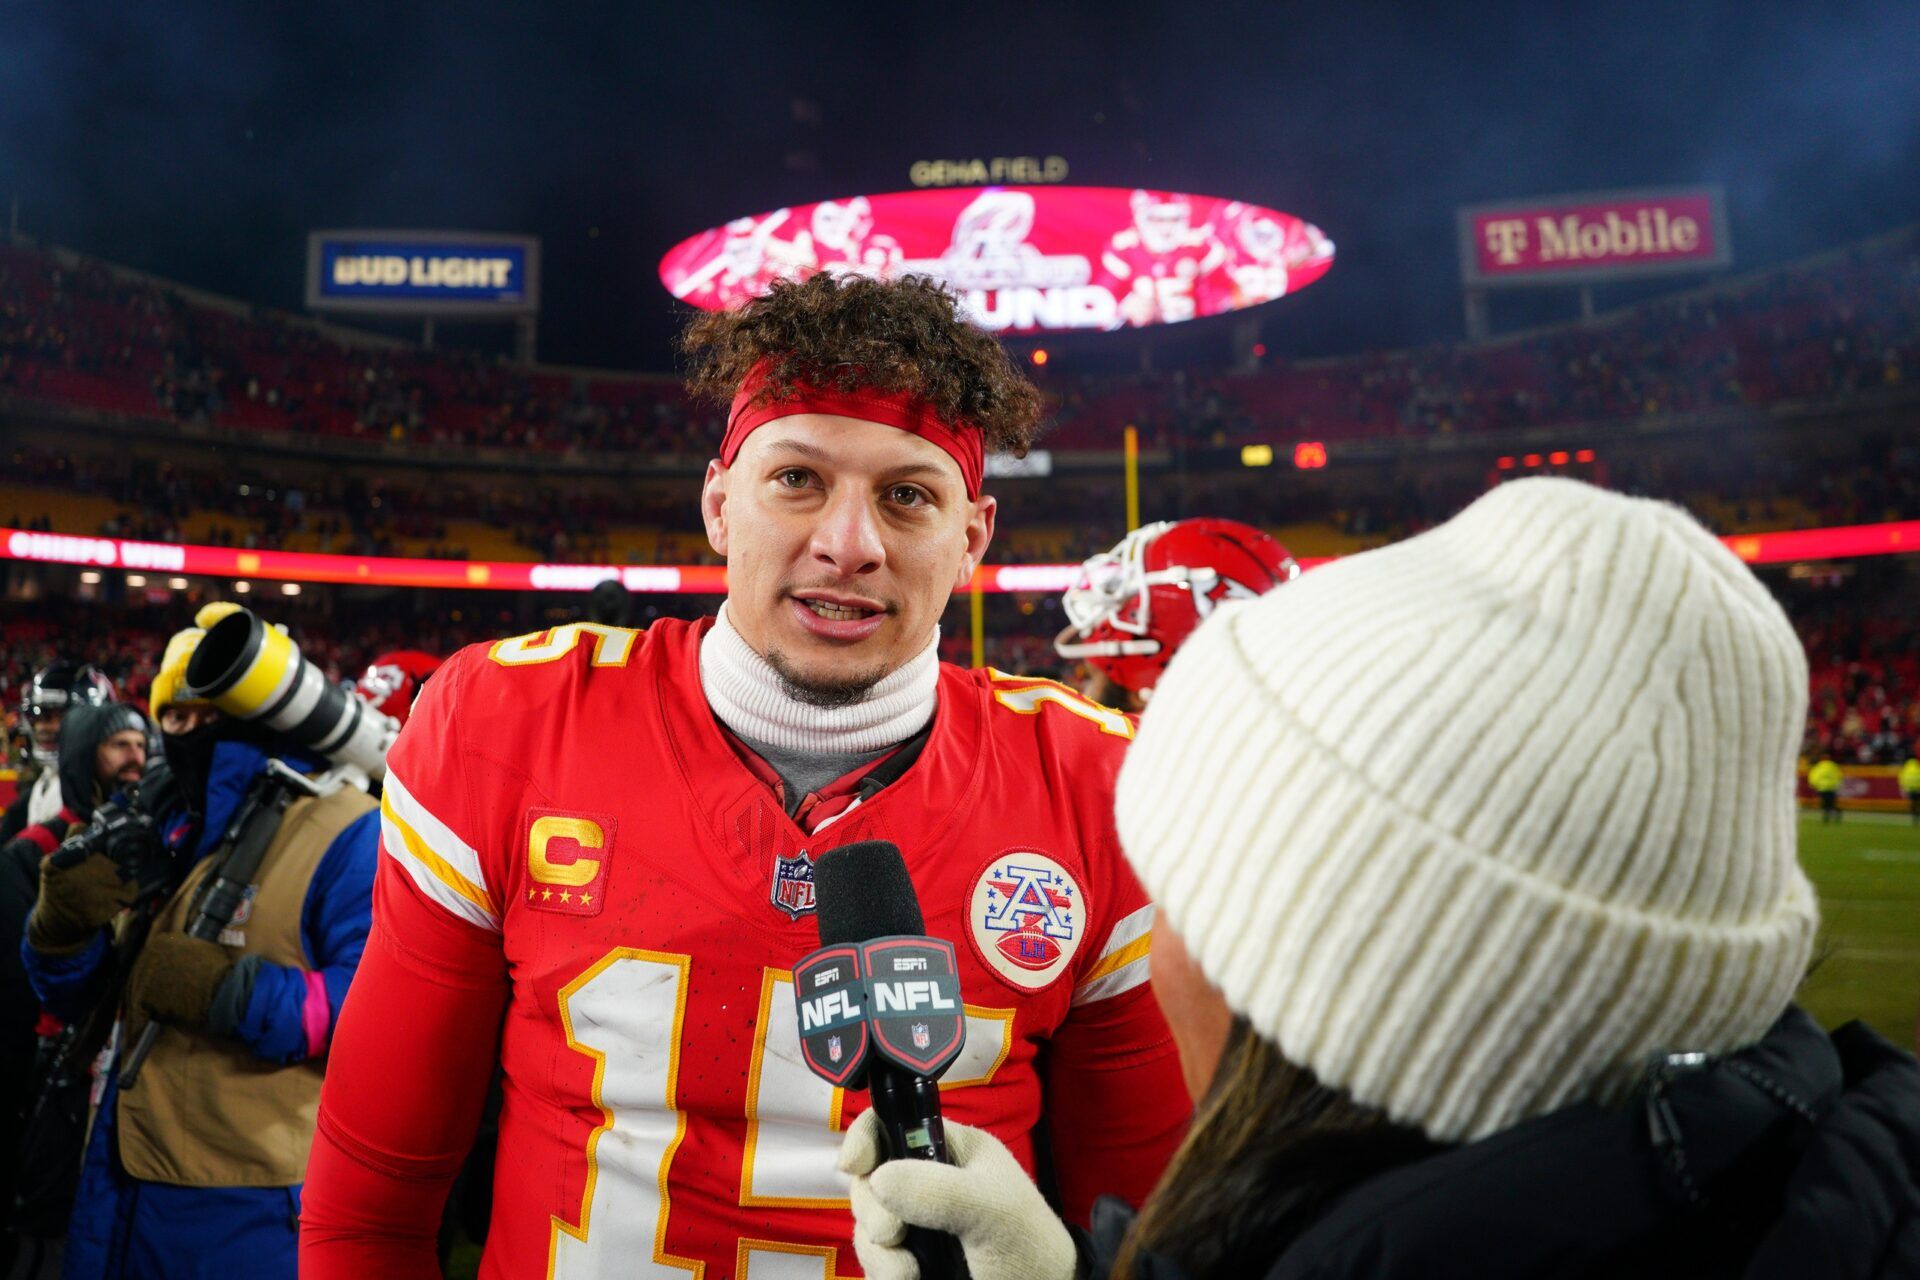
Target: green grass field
(1868,873)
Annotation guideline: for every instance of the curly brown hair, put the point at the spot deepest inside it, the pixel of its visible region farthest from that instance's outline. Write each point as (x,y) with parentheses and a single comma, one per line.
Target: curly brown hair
(856,333)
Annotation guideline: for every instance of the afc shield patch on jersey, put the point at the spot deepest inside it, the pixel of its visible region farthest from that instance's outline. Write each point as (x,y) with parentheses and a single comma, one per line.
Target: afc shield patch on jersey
(1027,917)
(792,890)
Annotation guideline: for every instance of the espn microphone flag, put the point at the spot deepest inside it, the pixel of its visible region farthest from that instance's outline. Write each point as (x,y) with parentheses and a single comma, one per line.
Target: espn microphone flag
(913,1003)
(895,997)
(830,995)
(880,1009)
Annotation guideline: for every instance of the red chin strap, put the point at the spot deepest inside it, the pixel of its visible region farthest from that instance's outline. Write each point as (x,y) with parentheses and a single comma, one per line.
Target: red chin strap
(963,443)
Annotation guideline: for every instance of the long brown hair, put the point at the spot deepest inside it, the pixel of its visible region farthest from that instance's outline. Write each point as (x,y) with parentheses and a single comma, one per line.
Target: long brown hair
(1270,1148)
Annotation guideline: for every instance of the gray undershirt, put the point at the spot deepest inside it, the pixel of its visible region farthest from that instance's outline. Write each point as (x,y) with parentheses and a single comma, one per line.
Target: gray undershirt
(804,772)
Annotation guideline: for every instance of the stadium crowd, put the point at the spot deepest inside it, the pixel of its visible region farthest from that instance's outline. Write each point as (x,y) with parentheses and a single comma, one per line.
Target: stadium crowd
(76,331)
(1862,641)
(257,505)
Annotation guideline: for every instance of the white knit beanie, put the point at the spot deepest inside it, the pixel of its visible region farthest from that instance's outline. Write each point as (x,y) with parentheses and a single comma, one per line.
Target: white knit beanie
(1473,824)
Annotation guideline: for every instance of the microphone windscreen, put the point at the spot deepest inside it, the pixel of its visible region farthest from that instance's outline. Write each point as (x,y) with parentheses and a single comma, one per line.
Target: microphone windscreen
(862,891)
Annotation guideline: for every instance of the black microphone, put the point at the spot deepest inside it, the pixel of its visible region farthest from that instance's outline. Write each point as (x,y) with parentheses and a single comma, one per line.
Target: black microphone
(879,1005)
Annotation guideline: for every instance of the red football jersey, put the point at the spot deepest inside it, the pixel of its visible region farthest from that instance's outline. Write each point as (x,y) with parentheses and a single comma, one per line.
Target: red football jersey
(1158,288)
(565,819)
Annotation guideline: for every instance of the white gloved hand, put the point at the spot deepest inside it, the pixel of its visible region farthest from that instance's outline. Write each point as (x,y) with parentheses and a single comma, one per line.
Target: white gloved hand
(984,1198)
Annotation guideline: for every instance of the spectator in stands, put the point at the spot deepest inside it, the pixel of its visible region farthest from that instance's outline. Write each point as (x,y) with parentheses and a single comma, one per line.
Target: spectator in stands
(196,1170)
(1824,779)
(1469,1007)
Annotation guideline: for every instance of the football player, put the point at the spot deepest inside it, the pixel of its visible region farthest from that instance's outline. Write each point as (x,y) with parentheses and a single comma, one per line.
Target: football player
(599,847)
(1136,604)
(54,691)
(1153,266)
(393,680)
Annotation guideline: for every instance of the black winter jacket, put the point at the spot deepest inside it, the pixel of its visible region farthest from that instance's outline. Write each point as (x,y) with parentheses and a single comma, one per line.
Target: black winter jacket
(1796,1159)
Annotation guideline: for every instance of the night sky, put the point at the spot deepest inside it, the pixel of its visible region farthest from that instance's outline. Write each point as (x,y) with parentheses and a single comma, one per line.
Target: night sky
(203,142)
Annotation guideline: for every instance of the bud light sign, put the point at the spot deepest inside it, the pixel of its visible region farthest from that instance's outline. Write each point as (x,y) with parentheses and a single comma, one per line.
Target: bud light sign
(422,273)
(1022,259)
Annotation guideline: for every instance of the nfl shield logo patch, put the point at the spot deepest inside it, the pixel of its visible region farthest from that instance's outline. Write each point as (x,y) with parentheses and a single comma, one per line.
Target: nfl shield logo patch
(920,1038)
(834,1051)
(793,885)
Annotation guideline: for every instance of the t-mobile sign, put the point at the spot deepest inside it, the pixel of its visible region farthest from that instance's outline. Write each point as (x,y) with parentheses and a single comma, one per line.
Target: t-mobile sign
(1581,239)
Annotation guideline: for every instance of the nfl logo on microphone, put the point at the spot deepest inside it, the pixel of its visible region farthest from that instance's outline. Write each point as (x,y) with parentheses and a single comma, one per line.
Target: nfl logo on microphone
(833,1048)
(920,1037)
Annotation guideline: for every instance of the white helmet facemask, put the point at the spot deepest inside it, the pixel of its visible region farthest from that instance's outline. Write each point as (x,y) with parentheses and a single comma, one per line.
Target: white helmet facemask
(1112,580)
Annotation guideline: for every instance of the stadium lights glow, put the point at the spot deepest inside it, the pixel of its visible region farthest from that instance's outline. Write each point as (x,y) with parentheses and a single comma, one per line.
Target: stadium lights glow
(289,588)
(1584,455)
(1256,455)
(1040,355)
(1505,463)
(1532,459)
(1310,455)
(1558,457)
(178,584)
(1786,546)
(90,578)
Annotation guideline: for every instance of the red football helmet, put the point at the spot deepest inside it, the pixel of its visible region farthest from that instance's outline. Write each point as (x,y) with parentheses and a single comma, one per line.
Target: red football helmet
(1136,604)
(392,681)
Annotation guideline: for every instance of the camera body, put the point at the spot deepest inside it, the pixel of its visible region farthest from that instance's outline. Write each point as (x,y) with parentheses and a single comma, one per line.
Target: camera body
(130,832)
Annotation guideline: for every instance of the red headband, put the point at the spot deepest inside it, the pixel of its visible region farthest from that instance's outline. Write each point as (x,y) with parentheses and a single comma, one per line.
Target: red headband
(963,443)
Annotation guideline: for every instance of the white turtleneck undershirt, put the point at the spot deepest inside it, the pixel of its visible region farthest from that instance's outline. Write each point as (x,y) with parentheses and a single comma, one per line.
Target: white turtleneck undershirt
(747,696)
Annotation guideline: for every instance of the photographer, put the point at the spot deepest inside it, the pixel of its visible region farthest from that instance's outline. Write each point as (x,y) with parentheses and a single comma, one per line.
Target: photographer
(1482,920)
(102,751)
(196,1168)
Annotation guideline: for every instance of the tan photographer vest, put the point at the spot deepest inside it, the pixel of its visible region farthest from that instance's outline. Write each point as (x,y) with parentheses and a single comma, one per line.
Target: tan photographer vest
(208,1112)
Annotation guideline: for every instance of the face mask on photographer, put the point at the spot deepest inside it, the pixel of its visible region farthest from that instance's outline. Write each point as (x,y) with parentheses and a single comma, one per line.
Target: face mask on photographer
(190,754)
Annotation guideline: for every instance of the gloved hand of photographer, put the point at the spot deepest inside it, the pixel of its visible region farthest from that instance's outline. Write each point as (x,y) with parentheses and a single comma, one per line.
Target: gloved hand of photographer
(82,887)
(175,981)
(984,1198)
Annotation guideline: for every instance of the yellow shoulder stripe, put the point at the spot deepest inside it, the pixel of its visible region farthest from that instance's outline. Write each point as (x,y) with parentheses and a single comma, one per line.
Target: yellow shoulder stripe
(442,870)
(1120,959)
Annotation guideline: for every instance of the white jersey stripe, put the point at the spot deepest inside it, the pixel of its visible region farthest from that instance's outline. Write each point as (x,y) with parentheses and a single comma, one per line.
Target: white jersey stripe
(1127,931)
(1125,978)
(445,867)
(1122,965)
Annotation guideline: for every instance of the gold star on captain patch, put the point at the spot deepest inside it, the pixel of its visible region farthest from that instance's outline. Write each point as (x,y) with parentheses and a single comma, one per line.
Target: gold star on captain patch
(565,896)
(585,898)
(545,894)
(530,892)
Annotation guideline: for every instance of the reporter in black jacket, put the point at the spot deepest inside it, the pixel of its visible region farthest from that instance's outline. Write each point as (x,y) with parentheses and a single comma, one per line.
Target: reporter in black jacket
(1481,921)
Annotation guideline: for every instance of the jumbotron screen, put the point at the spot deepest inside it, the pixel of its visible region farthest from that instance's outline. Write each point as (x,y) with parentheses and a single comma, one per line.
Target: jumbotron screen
(1024,259)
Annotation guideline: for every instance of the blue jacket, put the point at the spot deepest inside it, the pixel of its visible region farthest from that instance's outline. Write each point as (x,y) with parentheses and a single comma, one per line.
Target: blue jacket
(126,1229)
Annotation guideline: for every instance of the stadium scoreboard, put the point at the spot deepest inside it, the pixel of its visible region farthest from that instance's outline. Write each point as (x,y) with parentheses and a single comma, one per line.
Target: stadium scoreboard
(1023,259)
